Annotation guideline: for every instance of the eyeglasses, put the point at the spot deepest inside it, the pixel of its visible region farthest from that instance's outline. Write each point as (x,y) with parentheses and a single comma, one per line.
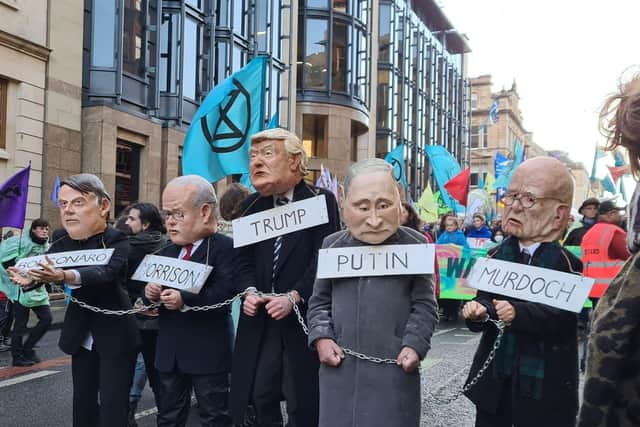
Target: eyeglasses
(177,215)
(527,200)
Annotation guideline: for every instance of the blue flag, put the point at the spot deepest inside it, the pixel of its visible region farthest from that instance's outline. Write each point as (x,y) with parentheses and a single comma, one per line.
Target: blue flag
(396,159)
(273,123)
(218,141)
(505,177)
(500,164)
(608,185)
(444,167)
(13,199)
(54,191)
(493,112)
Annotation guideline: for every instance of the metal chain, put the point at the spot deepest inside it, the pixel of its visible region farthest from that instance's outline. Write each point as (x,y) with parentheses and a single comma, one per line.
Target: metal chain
(305,329)
(114,312)
(492,354)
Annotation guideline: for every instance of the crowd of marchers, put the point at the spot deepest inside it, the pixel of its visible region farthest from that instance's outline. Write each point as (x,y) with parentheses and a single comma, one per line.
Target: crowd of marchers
(188,343)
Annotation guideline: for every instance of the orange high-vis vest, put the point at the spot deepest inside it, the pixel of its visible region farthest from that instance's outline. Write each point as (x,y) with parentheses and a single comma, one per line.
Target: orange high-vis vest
(595,257)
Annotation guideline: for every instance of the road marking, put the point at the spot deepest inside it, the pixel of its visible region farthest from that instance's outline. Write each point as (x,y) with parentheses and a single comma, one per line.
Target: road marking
(12,371)
(28,377)
(154,410)
(444,331)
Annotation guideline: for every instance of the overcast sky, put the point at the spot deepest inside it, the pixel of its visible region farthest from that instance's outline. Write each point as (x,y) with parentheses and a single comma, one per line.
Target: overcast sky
(565,55)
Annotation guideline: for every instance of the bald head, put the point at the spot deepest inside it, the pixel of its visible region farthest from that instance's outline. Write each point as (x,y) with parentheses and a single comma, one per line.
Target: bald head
(548,175)
(542,190)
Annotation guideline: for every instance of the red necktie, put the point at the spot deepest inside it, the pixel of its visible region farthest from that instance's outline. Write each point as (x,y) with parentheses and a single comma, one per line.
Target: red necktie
(188,249)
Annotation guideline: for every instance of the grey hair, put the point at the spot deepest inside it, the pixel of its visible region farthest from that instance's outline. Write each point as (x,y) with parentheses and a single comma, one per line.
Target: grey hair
(203,190)
(87,183)
(364,167)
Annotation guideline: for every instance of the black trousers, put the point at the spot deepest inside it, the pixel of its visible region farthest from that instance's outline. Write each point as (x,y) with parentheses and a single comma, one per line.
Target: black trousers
(503,416)
(212,393)
(111,376)
(273,380)
(6,317)
(149,339)
(21,314)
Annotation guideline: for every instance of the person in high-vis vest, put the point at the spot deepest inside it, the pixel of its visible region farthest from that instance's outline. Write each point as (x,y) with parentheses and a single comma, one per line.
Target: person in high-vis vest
(604,248)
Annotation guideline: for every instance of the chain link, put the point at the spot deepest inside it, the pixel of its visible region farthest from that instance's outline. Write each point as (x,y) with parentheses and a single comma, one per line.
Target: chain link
(374,359)
(114,312)
(500,325)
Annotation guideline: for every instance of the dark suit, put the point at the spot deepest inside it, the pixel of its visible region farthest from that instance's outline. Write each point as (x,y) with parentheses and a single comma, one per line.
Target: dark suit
(194,347)
(271,355)
(540,348)
(108,367)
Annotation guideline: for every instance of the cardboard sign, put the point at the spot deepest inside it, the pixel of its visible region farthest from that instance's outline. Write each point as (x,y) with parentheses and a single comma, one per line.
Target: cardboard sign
(172,272)
(68,259)
(554,288)
(279,221)
(384,260)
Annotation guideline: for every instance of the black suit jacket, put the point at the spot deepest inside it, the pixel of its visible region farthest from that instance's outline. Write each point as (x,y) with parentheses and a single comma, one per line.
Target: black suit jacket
(546,332)
(200,342)
(102,286)
(296,271)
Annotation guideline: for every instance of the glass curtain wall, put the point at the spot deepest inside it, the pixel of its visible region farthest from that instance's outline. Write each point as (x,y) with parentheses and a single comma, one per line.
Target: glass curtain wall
(334,44)
(162,57)
(420,96)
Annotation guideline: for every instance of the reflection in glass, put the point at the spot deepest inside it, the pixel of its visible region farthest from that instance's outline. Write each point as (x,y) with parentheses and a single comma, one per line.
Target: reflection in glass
(315,55)
(238,16)
(314,135)
(340,6)
(222,13)
(133,37)
(261,11)
(169,53)
(103,42)
(190,60)
(339,58)
(320,4)
(384,37)
(275,28)
(383,105)
(194,3)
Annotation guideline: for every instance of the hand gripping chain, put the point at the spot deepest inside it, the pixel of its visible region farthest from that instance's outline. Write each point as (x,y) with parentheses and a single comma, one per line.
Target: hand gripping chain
(374,359)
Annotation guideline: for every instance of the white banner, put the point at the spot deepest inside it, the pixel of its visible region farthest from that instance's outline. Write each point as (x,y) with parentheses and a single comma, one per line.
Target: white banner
(554,288)
(68,259)
(279,221)
(384,260)
(172,272)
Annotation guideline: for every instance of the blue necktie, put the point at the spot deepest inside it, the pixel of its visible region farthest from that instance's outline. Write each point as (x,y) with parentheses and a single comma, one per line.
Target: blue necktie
(277,245)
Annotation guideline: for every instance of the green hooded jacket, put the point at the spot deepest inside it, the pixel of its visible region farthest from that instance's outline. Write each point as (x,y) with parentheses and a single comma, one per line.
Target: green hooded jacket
(18,247)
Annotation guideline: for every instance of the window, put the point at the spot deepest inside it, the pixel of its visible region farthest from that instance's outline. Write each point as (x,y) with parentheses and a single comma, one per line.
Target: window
(339,57)
(314,60)
(474,101)
(475,137)
(127,175)
(474,178)
(384,36)
(314,135)
(384,93)
(320,4)
(3,113)
(133,37)
(340,6)
(190,60)
(169,52)
(103,39)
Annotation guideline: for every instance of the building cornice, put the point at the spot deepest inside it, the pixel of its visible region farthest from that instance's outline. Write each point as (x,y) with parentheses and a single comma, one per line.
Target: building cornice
(24,46)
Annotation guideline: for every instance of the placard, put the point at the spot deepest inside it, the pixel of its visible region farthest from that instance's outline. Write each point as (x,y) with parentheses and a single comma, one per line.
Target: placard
(372,260)
(279,221)
(554,288)
(68,259)
(172,272)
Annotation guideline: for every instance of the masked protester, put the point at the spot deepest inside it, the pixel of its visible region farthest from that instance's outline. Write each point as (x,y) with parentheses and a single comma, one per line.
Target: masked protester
(386,316)
(611,394)
(533,379)
(271,358)
(102,346)
(194,347)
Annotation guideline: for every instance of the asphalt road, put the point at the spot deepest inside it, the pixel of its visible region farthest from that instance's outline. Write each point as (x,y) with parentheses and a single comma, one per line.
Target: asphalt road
(42,396)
